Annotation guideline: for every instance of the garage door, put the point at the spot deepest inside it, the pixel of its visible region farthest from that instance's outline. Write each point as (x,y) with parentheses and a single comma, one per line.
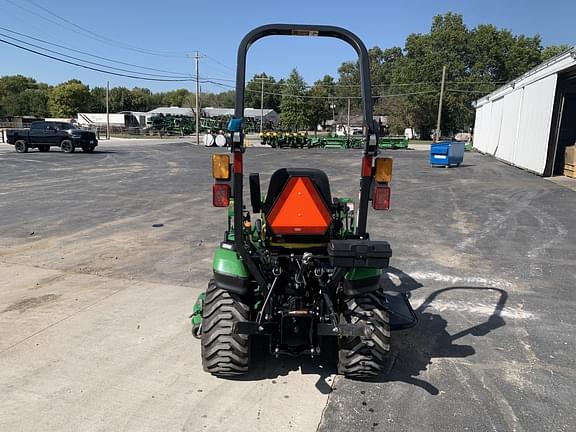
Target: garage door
(534,126)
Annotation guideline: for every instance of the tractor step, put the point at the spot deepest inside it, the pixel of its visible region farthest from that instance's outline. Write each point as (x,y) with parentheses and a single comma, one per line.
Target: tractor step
(402,316)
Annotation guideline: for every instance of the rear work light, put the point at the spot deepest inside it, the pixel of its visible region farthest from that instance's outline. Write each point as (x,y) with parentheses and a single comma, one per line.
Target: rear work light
(221,166)
(381,197)
(221,195)
(383,170)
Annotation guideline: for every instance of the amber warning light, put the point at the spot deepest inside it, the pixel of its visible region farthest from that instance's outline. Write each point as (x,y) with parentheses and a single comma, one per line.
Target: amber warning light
(299,209)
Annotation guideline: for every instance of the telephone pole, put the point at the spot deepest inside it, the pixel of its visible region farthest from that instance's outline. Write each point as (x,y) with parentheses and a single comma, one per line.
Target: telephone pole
(197,58)
(107,110)
(348,119)
(262,79)
(440,105)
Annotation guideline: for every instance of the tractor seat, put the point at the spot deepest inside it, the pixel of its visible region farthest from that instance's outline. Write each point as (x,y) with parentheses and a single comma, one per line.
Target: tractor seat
(298,206)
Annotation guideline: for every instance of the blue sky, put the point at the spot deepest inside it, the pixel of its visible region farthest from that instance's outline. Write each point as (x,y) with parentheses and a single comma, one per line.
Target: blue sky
(177,28)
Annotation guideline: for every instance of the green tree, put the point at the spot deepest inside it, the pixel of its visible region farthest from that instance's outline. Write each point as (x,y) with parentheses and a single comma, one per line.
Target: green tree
(321,95)
(21,96)
(477,60)
(180,97)
(98,99)
(14,84)
(141,98)
(293,109)
(69,98)
(120,99)
(253,93)
(553,50)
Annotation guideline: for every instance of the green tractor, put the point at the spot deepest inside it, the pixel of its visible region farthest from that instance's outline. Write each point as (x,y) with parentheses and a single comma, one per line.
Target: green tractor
(301,266)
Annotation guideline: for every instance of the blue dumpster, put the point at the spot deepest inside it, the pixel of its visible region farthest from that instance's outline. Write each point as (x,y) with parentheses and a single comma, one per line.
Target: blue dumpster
(447,153)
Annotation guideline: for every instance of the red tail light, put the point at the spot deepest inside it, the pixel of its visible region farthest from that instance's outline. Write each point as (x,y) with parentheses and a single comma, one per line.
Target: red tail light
(381,198)
(221,195)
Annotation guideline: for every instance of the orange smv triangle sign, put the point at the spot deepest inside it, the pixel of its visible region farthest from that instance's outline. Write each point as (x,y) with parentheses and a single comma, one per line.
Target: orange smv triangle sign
(299,209)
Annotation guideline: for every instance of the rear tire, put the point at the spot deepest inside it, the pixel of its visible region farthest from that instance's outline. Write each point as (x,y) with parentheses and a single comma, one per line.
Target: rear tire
(20,146)
(365,357)
(67,147)
(224,354)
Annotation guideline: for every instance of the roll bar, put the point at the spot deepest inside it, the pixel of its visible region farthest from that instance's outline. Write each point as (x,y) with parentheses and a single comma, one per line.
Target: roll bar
(307,30)
(236,127)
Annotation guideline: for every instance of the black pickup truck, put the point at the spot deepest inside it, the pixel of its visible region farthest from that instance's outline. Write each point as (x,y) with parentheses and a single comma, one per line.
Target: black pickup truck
(43,135)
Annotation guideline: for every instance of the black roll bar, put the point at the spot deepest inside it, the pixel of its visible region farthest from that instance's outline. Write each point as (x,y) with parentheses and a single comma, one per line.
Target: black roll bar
(370,127)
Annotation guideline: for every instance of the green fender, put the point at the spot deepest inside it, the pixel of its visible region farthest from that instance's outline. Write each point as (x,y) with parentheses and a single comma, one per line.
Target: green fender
(230,263)
(230,272)
(363,273)
(358,281)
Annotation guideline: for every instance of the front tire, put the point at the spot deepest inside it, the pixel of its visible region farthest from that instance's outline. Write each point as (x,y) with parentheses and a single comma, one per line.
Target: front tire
(224,354)
(20,146)
(67,147)
(365,357)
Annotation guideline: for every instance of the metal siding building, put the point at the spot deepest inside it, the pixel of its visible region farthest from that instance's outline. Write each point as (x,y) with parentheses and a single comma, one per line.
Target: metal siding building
(529,121)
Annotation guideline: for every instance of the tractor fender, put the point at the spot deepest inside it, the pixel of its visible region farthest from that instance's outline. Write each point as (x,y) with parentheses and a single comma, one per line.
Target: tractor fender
(230,272)
(359,281)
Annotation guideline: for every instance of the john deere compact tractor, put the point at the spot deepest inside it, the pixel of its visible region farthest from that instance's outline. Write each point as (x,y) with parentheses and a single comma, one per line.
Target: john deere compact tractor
(301,266)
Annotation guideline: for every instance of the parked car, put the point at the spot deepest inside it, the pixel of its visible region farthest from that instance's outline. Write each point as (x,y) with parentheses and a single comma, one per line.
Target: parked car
(43,135)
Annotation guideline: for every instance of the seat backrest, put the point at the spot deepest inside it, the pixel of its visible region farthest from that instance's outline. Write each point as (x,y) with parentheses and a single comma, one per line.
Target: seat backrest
(298,206)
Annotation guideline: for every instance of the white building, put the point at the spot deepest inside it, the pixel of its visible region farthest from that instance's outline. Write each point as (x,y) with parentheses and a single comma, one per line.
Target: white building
(529,121)
(173,110)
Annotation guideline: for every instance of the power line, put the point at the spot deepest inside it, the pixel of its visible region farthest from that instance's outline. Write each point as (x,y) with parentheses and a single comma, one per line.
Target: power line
(323,97)
(89,54)
(105,38)
(88,33)
(219,62)
(90,67)
(88,61)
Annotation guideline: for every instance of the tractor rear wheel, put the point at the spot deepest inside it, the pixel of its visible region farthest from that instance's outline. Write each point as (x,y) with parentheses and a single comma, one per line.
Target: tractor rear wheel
(365,357)
(224,354)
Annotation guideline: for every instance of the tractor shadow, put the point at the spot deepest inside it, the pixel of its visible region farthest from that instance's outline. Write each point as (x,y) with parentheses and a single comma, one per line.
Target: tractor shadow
(413,350)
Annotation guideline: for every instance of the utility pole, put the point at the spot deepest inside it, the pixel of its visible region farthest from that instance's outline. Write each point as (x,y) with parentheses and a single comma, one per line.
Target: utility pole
(197,58)
(440,105)
(107,110)
(262,79)
(348,118)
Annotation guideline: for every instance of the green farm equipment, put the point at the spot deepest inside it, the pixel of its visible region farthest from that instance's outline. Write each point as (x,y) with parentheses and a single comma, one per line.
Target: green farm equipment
(300,267)
(393,142)
(171,125)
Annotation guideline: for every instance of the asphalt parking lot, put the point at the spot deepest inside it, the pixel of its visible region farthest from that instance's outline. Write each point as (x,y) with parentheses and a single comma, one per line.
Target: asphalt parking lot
(102,256)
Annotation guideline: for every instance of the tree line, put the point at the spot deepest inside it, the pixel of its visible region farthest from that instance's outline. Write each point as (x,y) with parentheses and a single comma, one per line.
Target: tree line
(24,96)
(406,83)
